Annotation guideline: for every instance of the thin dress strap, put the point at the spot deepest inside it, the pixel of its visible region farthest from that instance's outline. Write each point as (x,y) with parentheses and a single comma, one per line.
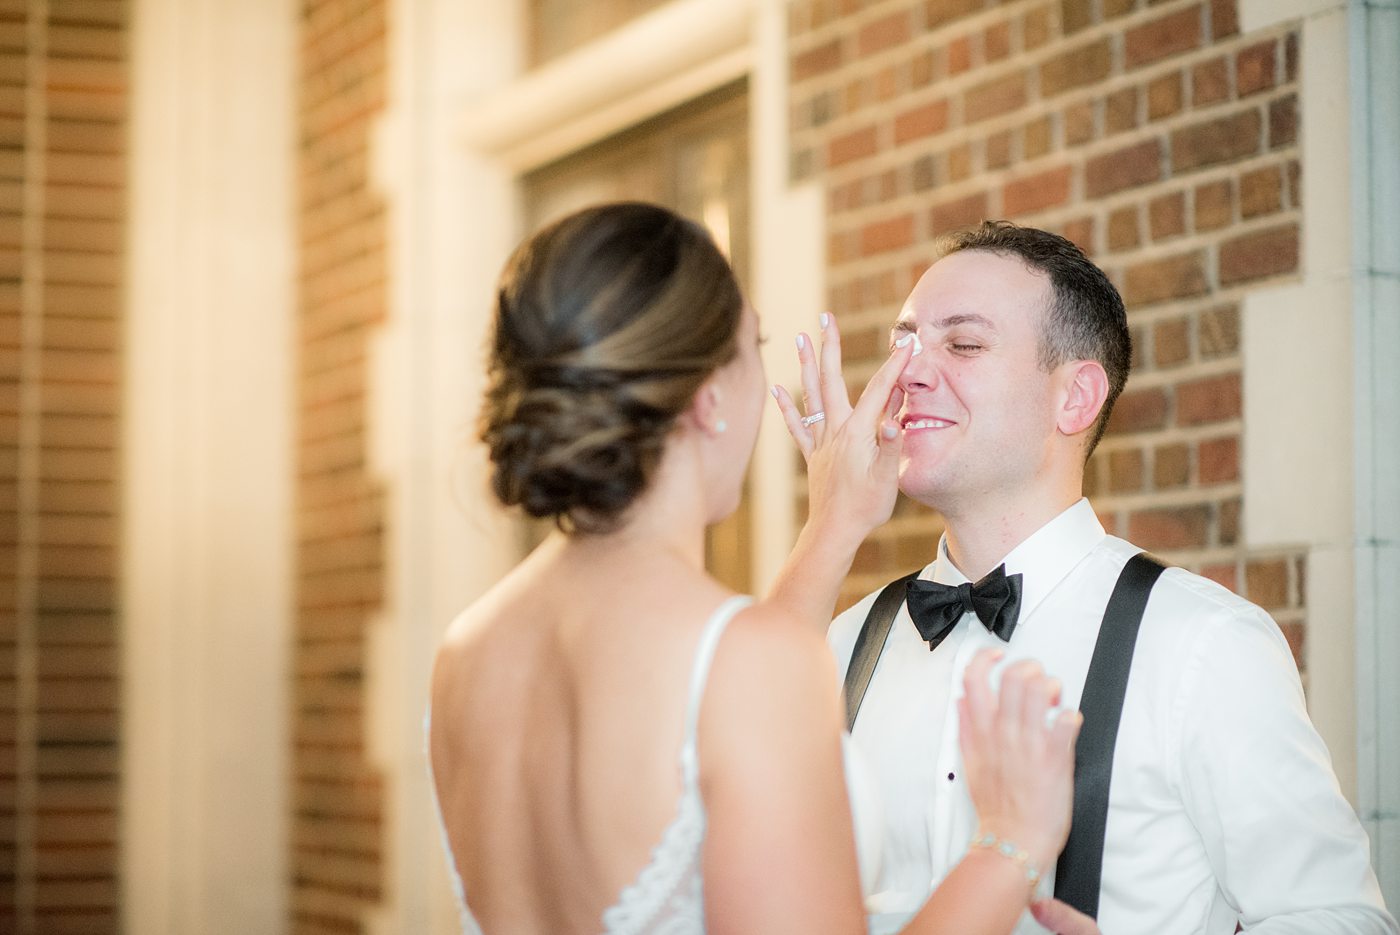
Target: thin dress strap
(704,655)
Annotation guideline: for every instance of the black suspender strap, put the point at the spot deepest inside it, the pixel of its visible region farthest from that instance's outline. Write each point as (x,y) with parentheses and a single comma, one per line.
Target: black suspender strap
(1079,871)
(870,642)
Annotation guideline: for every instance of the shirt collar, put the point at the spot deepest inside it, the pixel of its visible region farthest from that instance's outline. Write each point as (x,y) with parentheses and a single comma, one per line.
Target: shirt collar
(1043,559)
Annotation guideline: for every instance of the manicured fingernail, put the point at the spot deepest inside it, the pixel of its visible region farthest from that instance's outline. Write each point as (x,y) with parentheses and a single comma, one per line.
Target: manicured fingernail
(890,432)
(774,390)
(801,341)
(825,320)
(904,340)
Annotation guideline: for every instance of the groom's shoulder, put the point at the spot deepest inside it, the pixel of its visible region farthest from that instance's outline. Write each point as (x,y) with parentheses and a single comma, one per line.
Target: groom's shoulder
(841,635)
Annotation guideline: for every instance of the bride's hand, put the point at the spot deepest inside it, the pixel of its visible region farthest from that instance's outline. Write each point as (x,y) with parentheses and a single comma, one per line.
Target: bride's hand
(852,452)
(1020,770)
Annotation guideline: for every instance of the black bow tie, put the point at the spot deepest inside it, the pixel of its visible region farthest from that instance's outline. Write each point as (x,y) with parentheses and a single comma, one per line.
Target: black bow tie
(936,608)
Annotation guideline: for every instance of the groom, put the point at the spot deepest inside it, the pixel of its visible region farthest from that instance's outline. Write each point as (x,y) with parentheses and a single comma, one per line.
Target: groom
(1223,805)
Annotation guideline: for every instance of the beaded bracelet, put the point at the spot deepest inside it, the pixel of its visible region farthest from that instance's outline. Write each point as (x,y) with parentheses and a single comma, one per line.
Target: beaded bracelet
(1006,849)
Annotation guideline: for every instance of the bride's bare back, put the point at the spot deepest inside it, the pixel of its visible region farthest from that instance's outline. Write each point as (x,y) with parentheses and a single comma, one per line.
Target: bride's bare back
(557,720)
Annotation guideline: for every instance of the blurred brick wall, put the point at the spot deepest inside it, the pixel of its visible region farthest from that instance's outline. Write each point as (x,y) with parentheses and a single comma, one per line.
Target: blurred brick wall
(1153,134)
(337,823)
(63,111)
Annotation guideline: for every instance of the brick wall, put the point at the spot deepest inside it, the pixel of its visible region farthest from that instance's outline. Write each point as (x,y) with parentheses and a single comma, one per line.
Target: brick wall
(337,824)
(62,177)
(1153,134)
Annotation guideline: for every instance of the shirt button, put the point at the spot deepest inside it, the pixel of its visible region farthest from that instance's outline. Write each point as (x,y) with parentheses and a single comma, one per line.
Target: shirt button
(950,777)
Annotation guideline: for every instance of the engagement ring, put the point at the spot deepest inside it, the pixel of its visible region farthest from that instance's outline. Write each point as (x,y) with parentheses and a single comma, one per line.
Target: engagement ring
(813,419)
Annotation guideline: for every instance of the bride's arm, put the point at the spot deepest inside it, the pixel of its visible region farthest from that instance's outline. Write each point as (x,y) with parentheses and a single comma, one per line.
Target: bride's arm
(779,855)
(852,473)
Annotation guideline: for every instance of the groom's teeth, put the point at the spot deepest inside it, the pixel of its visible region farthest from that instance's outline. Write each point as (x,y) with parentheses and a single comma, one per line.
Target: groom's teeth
(927,424)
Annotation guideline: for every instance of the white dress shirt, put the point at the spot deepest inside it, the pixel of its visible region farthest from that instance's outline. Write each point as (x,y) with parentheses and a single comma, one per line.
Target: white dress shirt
(1223,804)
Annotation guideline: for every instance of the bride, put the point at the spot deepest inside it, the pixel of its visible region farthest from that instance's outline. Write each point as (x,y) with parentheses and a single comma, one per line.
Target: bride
(618,742)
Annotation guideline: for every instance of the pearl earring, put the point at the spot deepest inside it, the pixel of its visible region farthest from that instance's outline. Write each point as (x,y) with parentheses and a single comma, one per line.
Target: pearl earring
(720,426)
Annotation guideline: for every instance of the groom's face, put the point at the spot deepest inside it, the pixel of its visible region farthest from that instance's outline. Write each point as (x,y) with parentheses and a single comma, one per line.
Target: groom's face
(979,412)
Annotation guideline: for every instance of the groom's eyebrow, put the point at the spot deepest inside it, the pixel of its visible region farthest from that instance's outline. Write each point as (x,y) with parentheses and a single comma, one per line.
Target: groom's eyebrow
(952,321)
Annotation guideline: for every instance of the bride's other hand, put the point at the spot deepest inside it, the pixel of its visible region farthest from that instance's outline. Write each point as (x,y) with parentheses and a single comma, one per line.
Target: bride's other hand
(1019,768)
(852,452)
(1063,919)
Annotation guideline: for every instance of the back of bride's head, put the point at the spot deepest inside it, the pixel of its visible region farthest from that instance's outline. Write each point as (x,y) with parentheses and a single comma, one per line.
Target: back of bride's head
(607,323)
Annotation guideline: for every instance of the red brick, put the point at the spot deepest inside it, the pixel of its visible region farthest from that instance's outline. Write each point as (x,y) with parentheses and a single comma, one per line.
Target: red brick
(1290,58)
(1224,139)
(996,42)
(959,213)
(1121,110)
(1183,527)
(997,151)
(1167,216)
(927,120)
(1075,15)
(924,68)
(1038,137)
(1266,583)
(1139,164)
(960,162)
(1225,574)
(1219,331)
(1218,460)
(884,33)
(939,12)
(1125,470)
(1261,191)
(1224,18)
(1214,203)
(1171,342)
(1228,524)
(1255,68)
(1211,399)
(1174,277)
(1036,192)
(1080,232)
(857,144)
(1079,123)
(1210,82)
(1138,411)
(1123,228)
(1035,28)
(1165,96)
(887,83)
(994,98)
(959,55)
(1171,466)
(884,236)
(1271,252)
(817,61)
(1295,183)
(1116,8)
(1172,34)
(1076,68)
(1283,121)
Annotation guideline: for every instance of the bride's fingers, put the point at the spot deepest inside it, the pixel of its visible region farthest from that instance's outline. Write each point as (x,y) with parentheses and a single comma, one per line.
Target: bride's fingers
(792,418)
(836,401)
(877,400)
(811,384)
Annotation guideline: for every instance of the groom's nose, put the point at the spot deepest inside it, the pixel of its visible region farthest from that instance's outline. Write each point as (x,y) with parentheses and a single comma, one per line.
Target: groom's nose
(920,374)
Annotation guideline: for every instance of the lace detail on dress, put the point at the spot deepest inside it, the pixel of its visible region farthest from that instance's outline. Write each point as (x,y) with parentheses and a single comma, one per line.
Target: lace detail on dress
(668,896)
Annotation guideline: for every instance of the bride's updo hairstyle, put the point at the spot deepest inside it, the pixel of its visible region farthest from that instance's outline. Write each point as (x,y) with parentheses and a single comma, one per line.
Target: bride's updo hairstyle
(607,323)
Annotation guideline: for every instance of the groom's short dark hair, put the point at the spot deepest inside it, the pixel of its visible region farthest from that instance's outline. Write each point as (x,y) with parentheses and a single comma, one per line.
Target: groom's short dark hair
(1086,319)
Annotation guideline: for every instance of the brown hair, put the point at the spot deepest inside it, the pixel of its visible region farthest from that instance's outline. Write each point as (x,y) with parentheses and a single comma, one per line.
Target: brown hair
(607,323)
(1086,319)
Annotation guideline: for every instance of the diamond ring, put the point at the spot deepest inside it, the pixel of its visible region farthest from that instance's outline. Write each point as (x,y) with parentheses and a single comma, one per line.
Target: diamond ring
(813,419)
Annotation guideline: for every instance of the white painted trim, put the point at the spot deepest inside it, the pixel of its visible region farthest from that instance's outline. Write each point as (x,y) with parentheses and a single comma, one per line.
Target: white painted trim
(1375,134)
(789,282)
(656,62)
(207,468)
(1263,14)
(452,220)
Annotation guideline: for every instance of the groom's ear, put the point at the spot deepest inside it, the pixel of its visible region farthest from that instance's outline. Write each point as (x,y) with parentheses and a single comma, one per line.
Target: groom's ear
(1085,387)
